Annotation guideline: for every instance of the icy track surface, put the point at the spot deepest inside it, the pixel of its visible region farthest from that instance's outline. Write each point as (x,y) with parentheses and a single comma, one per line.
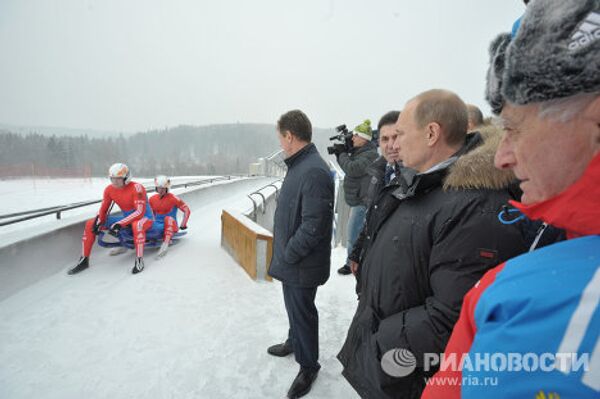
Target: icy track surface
(192,325)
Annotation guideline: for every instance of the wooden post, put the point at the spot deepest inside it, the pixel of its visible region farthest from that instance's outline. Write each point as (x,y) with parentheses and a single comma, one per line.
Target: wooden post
(246,245)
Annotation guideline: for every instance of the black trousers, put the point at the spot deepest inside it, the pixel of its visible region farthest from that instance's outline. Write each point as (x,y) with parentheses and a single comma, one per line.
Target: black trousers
(304,324)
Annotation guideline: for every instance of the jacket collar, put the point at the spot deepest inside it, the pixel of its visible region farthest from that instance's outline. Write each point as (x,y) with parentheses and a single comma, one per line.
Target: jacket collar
(307,149)
(421,182)
(377,168)
(577,209)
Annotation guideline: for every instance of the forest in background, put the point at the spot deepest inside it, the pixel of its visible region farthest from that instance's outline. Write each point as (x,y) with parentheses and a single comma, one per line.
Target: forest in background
(183,150)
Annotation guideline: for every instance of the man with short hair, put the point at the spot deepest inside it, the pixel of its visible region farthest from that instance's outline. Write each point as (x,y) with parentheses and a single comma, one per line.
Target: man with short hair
(475,117)
(542,308)
(437,234)
(382,173)
(302,244)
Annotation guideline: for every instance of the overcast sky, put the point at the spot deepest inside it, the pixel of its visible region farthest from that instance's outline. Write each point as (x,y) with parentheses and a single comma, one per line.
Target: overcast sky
(136,65)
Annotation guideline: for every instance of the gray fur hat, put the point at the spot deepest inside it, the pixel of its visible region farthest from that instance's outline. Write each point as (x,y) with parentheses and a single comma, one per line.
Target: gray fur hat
(493,85)
(556,52)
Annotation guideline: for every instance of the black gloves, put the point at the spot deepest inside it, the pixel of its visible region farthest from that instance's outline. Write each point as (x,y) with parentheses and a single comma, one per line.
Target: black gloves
(115,229)
(96,227)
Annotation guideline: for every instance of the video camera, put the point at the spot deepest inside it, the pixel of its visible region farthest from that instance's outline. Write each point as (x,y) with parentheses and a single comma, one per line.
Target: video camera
(345,137)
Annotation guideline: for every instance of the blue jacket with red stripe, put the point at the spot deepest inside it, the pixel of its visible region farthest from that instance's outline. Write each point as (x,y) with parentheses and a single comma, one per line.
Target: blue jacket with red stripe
(530,328)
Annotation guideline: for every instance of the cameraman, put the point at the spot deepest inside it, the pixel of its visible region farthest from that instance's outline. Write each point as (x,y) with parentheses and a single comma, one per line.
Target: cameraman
(354,162)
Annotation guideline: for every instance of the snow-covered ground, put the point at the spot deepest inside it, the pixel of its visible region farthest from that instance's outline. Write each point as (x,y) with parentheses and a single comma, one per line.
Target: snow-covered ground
(192,325)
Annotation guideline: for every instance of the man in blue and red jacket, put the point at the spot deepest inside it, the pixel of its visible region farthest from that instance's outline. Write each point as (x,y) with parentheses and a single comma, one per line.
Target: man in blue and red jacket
(530,328)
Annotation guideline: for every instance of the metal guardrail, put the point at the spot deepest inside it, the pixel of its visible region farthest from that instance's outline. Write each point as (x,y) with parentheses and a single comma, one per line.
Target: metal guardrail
(59,209)
(264,199)
(12,215)
(200,182)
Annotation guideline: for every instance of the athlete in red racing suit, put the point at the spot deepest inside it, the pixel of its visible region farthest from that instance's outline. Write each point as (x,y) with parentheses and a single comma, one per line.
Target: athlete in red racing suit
(133,202)
(164,206)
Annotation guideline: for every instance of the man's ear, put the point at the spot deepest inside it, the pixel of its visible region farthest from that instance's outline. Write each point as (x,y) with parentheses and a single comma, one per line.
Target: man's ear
(286,135)
(289,136)
(434,133)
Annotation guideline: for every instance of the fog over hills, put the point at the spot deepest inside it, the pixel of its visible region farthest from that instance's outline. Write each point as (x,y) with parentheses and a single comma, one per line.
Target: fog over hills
(62,131)
(211,149)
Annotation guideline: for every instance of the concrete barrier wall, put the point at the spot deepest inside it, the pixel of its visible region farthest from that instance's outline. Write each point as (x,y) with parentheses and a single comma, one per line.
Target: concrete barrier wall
(342,210)
(342,213)
(32,259)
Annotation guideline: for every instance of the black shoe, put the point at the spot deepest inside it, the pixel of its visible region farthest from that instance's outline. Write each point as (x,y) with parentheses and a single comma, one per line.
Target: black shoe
(84,263)
(302,383)
(280,350)
(344,270)
(139,266)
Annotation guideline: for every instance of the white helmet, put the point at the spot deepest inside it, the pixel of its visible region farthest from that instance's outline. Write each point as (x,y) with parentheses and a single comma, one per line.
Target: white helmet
(162,181)
(120,170)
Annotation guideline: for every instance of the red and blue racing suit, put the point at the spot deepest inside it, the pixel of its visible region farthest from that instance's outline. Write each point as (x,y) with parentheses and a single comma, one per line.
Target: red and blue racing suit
(132,200)
(165,210)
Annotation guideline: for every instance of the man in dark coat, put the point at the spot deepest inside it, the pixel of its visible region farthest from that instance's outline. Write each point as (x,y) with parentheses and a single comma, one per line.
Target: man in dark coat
(354,163)
(548,98)
(381,173)
(302,244)
(437,234)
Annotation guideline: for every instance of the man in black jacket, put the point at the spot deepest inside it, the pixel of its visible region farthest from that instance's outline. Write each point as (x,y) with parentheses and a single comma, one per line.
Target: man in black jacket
(381,173)
(354,163)
(437,234)
(302,244)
